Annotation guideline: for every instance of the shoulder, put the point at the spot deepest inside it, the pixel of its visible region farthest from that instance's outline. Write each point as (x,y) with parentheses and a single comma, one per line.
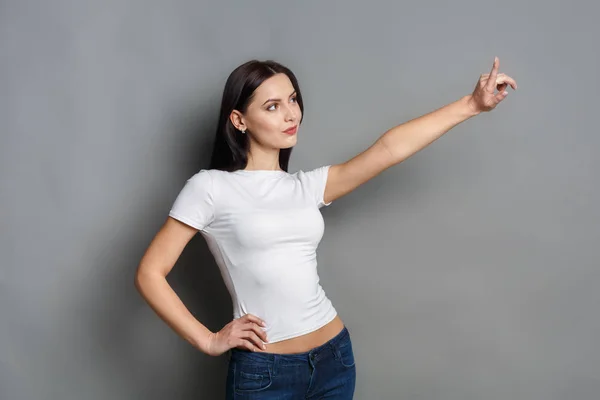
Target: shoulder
(316,173)
(210,180)
(209,175)
(201,179)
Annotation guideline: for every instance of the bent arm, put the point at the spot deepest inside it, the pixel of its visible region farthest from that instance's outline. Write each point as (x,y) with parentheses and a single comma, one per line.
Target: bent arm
(151,282)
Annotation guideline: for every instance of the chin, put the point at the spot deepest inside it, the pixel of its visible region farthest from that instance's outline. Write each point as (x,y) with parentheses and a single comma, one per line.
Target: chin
(289,146)
(289,142)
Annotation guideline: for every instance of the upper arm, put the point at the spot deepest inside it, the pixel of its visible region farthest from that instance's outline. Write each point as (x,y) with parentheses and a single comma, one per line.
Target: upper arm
(192,210)
(166,247)
(344,178)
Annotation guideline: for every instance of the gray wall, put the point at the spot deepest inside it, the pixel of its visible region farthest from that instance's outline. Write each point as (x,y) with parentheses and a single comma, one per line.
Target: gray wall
(469,271)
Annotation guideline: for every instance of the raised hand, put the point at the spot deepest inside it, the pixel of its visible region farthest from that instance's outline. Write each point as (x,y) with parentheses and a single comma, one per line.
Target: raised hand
(484,97)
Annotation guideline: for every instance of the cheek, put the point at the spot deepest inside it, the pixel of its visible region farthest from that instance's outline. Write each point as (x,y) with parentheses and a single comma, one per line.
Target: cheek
(267,125)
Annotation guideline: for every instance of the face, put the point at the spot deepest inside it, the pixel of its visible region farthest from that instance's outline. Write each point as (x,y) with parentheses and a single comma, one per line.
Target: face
(272,110)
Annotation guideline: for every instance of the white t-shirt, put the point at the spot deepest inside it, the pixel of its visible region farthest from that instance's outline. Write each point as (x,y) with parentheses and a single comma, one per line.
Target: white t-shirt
(263,228)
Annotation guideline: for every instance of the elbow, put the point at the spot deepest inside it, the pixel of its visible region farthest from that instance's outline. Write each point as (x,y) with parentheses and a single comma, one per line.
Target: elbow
(143,278)
(138,282)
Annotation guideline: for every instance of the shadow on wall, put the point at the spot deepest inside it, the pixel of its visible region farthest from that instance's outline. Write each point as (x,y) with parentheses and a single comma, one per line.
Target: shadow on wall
(132,349)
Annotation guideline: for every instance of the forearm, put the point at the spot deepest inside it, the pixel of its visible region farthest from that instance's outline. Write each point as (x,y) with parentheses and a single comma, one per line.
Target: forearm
(404,140)
(164,301)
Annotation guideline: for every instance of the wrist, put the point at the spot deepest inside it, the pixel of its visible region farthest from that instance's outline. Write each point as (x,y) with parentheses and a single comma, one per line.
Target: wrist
(203,342)
(470,107)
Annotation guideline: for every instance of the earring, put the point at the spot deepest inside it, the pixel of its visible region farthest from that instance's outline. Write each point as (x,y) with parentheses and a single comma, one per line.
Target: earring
(243,131)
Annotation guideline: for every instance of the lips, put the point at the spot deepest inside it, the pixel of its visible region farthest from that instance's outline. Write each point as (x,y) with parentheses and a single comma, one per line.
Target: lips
(292,130)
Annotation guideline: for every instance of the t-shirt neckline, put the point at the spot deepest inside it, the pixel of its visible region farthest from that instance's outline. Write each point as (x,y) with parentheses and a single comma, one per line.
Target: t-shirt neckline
(259,171)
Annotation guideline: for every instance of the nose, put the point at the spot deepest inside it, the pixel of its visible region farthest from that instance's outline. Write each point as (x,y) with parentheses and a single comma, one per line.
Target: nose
(291,113)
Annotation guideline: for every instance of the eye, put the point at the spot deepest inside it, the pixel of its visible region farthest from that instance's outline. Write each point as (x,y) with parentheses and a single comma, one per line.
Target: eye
(273,105)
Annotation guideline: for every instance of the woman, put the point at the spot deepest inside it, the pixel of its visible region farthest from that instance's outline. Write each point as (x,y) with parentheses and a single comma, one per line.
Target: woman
(263,226)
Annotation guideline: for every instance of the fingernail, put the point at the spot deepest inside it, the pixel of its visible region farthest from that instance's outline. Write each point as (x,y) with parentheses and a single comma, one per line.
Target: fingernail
(505,93)
(264,347)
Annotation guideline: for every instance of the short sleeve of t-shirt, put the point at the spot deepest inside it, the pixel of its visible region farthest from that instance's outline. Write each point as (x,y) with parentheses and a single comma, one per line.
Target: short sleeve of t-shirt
(316,180)
(194,205)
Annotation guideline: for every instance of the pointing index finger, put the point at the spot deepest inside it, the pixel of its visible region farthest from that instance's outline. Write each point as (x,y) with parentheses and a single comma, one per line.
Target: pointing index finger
(491,83)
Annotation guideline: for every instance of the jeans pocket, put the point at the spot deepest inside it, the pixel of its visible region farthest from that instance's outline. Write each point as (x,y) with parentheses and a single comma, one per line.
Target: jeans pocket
(251,378)
(346,354)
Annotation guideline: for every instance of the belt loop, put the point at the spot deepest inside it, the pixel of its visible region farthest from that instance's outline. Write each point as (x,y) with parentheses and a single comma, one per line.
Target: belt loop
(274,365)
(334,349)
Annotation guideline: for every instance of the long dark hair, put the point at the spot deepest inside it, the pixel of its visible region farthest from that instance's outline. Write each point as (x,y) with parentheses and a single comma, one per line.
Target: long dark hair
(230,148)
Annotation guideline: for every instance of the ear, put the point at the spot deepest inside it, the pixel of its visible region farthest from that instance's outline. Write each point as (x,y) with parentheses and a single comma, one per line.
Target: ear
(237,120)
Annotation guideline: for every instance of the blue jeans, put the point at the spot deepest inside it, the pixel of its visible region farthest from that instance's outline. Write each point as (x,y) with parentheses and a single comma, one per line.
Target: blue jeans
(325,372)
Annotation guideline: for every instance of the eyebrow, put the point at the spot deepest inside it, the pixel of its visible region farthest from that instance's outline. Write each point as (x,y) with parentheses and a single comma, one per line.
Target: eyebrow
(277,99)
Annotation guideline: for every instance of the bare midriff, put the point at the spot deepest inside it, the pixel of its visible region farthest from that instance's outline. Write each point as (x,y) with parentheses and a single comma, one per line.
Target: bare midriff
(307,342)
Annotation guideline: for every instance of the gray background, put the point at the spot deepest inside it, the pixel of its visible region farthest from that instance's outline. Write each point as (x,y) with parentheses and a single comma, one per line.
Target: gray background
(469,271)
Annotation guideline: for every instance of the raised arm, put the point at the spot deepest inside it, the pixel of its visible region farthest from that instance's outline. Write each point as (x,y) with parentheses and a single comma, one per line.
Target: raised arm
(402,141)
